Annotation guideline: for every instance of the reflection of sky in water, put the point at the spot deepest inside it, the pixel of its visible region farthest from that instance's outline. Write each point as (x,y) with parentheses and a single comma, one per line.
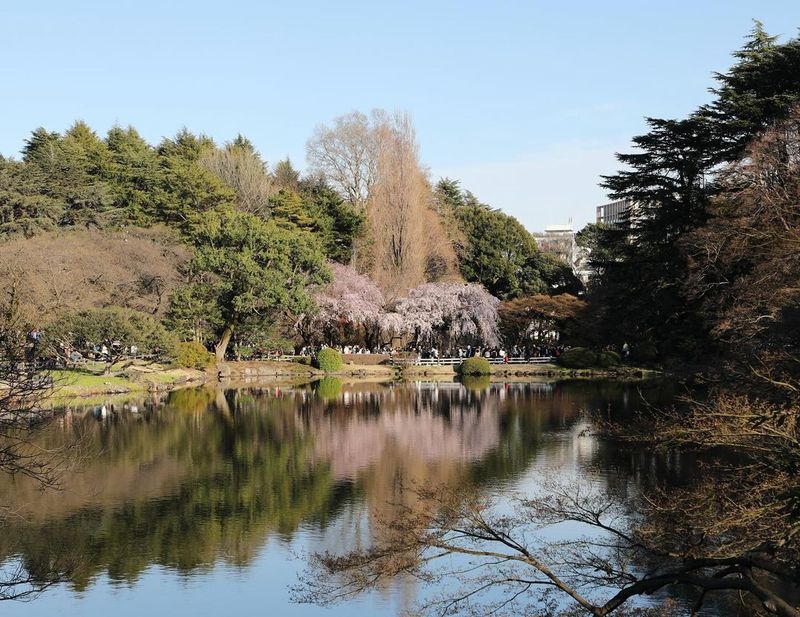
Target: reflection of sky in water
(366,437)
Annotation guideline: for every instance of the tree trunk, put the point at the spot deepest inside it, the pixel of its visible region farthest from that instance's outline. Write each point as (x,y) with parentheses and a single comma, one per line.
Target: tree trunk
(222,346)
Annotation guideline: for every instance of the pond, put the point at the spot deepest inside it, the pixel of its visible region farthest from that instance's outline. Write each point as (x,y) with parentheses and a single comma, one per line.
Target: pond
(209,500)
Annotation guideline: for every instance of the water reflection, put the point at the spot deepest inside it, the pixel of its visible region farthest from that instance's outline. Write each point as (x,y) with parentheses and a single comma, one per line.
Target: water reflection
(207,476)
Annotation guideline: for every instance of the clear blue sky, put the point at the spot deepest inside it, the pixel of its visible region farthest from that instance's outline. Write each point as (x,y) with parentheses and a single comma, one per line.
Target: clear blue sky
(523,101)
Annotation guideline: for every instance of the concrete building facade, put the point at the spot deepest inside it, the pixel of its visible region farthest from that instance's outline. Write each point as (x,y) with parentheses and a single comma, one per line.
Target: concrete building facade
(559,240)
(615,212)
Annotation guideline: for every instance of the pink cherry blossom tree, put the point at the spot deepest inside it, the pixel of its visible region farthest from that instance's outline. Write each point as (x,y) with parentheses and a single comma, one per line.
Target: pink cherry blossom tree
(447,314)
(350,308)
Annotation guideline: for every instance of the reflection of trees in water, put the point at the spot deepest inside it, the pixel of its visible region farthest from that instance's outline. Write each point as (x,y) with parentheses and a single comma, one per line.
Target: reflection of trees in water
(237,478)
(627,473)
(210,475)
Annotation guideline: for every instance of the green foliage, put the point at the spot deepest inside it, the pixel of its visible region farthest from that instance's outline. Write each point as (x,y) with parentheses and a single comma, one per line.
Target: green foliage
(194,314)
(136,175)
(476,383)
(192,191)
(192,355)
(328,360)
(642,292)
(252,477)
(116,328)
(289,211)
(579,357)
(252,269)
(286,176)
(496,250)
(336,223)
(608,359)
(475,366)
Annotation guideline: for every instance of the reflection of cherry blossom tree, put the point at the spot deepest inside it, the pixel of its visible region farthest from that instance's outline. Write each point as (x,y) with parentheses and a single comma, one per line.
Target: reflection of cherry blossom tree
(349,307)
(447,313)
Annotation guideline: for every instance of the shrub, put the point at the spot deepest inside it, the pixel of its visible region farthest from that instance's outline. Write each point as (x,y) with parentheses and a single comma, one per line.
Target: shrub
(608,359)
(475,366)
(578,357)
(192,355)
(244,352)
(329,360)
(118,329)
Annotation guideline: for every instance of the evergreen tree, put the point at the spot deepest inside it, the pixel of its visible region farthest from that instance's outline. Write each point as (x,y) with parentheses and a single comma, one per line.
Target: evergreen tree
(498,252)
(136,177)
(337,225)
(289,211)
(640,295)
(286,176)
(759,89)
(252,270)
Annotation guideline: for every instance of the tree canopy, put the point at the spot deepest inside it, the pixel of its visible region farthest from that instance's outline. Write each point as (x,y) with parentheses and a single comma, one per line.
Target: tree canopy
(252,269)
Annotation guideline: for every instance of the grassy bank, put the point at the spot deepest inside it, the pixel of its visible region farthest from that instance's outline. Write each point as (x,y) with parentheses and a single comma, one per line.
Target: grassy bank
(73,383)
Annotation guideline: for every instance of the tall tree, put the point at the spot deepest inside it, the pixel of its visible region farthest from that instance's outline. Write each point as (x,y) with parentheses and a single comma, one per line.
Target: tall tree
(346,153)
(397,208)
(255,271)
(671,179)
(759,88)
(336,224)
(498,252)
(135,175)
(666,180)
(241,168)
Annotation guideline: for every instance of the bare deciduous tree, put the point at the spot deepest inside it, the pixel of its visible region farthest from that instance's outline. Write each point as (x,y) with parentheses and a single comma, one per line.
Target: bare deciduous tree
(398,208)
(23,393)
(242,169)
(346,153)
(496,559)
(373,162)
(51,273)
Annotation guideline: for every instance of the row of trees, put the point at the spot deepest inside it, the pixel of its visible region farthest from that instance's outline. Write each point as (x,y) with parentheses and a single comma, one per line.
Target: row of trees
(219,246)
(649,287)
(706,269)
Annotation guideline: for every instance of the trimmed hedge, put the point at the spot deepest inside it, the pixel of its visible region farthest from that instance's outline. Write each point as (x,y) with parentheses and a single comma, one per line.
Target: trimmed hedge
(608,359)
(580,357)
(193,355)
(328,360)
(475,366)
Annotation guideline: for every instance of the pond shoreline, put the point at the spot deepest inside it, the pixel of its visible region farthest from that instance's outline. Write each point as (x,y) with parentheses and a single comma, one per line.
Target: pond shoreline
(73,384)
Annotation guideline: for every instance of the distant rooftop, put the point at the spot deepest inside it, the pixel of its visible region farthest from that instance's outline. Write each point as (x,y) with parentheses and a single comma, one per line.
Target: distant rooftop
(558,228)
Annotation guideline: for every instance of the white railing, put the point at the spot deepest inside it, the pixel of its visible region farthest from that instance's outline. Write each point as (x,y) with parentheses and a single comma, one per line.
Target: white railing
(450,361)
(457,361)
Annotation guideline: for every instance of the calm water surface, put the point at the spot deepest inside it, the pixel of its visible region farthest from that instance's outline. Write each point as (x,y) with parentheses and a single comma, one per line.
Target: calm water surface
(206,503)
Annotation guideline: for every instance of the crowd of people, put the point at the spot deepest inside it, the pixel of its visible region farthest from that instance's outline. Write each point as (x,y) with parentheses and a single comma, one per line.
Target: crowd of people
(525,352)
